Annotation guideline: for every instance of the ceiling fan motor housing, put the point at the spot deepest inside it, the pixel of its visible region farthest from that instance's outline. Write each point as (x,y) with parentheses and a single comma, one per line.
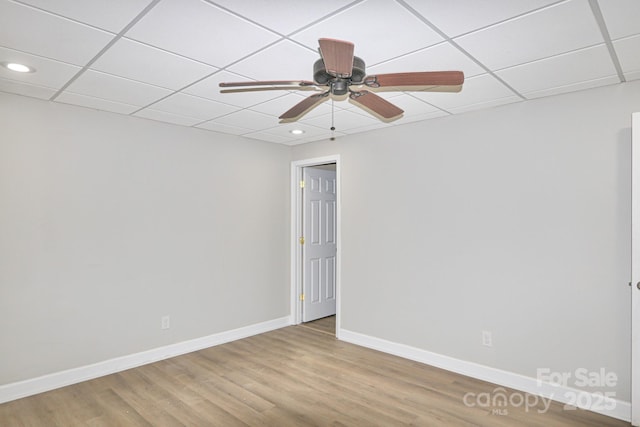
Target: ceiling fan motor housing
(321,77)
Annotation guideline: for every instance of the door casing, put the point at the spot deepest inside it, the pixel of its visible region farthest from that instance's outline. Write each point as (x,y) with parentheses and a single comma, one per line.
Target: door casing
(296,233)
(635,270)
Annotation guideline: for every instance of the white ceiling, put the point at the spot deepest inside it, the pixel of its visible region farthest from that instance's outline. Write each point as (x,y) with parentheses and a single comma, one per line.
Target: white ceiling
(163,59)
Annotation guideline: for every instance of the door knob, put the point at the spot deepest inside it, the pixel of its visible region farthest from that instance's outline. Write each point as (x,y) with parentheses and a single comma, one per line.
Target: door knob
(638,285)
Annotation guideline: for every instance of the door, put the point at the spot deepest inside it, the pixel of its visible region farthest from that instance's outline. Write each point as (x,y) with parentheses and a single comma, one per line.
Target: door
(319,245)
(635,270)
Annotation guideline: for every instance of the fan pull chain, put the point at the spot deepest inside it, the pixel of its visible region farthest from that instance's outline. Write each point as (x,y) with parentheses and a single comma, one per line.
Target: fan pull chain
(333,128)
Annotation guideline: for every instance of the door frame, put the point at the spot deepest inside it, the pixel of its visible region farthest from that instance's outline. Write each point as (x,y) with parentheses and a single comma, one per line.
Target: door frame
(635,269)
(296,233)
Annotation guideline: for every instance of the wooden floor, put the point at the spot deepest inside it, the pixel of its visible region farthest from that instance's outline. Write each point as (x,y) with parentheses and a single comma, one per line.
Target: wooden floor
(295,376)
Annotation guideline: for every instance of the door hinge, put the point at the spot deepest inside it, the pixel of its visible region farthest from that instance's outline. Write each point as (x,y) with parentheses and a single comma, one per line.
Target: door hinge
(301,297)
(302,240)
(302,184)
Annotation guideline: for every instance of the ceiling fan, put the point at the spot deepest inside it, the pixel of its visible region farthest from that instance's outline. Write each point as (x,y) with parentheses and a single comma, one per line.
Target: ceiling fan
(339,74)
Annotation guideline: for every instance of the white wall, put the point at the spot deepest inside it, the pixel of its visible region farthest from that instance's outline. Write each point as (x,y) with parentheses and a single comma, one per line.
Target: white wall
(109,222)
(514,220)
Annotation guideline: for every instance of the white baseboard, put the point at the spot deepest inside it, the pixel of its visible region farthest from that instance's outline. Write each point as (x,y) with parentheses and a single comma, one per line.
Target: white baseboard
(567,395)
(48,382)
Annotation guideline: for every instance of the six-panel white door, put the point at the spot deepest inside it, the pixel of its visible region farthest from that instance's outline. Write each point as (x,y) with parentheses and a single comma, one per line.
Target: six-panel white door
(319,248)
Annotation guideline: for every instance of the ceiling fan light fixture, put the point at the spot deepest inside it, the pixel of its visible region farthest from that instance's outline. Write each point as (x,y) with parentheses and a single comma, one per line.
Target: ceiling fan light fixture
(296,131)
(339,75)
(18,68)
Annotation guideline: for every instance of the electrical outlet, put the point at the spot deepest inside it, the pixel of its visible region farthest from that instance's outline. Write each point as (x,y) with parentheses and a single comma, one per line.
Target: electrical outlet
(165,322)
(487,339)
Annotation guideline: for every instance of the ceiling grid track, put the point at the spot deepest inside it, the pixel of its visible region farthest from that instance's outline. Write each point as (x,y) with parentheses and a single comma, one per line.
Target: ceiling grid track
(457,46)
(104,49)
(597,14)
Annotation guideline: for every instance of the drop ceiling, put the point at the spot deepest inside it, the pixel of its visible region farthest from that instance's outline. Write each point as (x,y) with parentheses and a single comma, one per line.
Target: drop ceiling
(163,59)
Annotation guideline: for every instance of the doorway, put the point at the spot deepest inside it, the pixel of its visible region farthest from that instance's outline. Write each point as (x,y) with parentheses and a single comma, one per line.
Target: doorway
(318,243)
(326,273)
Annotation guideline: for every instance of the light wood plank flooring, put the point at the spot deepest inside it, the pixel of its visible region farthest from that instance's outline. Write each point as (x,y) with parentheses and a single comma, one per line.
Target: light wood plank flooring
(295,376)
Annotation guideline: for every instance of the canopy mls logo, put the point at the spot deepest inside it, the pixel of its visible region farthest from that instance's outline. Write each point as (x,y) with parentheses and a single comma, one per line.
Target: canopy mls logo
(499,400)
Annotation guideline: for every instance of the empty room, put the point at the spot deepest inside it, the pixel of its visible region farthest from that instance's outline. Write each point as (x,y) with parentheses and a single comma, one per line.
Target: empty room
(337,213)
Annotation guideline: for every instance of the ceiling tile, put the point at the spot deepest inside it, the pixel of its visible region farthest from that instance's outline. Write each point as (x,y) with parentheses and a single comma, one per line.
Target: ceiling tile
(627,50)
(248,119)
(574,86)
(375,125)
(113,88)
(283,61)
(621,17)
(310,131)
(219,127)
(534,36)
(343,120)
(21,88)
(193,106)
(288,17)
(112,15)
(325,137)
(443,56)
(476,90)
(200,31)
(562,70)
(276,107)
(268,137)
(49,35)
(96,103)
(419,117)
(208,88)
(485,104)
(461,16)
(50,73)
(163,116)
(365,24)
(137,61)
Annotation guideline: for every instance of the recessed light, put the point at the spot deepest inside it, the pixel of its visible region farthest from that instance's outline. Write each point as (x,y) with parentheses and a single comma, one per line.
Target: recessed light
(17,67)
(297,131)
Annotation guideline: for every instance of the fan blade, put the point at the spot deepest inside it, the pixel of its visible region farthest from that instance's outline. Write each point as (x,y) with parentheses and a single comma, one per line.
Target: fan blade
(376,105)
(424,78)
(337,56)
(304,106)
(269,83)
(457,88)
(260,89)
